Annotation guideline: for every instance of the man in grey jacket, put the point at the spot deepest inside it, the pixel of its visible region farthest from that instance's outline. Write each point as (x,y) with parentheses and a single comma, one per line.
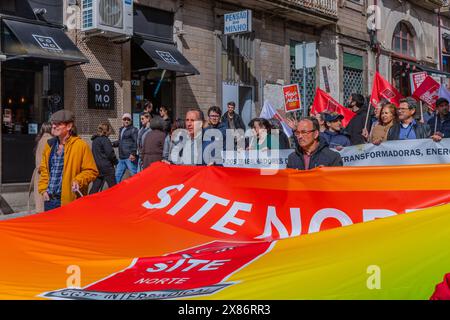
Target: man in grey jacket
(127,145)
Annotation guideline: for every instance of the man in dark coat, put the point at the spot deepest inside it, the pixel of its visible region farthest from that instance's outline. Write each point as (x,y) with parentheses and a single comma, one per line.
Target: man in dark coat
(127,145)
(440,122)
(334,135)
(311,151)
(231,119)
(356,125)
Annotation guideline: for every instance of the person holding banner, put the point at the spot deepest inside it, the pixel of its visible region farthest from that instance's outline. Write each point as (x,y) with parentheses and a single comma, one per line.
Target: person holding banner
(214,135)
(67,166)
(408,128)
(284,139)
(187,145)
(261,138)
(311,151)
(388,117)
(333,134)
(440,123)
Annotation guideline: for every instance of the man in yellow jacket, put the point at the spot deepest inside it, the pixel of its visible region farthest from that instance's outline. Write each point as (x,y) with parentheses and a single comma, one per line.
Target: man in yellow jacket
(67,165)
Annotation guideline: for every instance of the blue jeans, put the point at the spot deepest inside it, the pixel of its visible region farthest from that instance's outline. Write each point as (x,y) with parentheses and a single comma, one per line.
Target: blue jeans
(52,204)
(122,166)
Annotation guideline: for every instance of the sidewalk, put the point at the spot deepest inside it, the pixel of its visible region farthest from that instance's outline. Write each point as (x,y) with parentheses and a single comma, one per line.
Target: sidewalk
(16,215)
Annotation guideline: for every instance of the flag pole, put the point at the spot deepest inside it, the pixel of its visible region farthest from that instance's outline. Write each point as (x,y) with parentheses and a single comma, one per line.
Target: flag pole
(436,121)
(421,112)
(367,117)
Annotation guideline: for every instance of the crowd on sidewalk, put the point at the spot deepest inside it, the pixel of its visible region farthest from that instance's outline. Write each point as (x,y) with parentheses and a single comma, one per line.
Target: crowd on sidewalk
(66,165)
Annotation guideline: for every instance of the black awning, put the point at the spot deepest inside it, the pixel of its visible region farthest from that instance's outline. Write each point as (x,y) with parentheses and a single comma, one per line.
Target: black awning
(41,42)
(166,57)
(421,67)
(432,71)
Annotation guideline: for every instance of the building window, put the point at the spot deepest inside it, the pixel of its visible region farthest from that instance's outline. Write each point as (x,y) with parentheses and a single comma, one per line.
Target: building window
(403,41)
(238,59)
(353,77)
(446,53)
(297,77)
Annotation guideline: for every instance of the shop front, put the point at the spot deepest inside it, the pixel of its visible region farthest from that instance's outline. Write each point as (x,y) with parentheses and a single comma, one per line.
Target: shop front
(34,57)
(403,71)
(155,61)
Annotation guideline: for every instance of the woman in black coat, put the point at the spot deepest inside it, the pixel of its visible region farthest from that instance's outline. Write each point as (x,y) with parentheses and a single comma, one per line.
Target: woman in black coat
(105,158)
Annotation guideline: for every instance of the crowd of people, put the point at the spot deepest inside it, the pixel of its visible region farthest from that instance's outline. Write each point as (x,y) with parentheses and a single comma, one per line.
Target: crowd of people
(67,165)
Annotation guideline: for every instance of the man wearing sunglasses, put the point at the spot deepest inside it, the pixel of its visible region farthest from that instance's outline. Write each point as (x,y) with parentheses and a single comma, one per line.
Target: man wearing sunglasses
(127,144)
(68,166)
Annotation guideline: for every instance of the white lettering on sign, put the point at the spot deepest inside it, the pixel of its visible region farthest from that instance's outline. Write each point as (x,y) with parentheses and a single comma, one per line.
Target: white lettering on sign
(47,43)
(167,57)
(282,224)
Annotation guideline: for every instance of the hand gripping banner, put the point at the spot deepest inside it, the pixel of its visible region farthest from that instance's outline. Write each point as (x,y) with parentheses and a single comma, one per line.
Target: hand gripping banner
(178,232)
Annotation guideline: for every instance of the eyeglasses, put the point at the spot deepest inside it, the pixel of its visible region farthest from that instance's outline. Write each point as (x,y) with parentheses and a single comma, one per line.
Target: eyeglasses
(304,132)
(126,119)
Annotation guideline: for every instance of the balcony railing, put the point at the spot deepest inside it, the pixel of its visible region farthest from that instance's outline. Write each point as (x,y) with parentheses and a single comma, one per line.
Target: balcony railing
(328,7)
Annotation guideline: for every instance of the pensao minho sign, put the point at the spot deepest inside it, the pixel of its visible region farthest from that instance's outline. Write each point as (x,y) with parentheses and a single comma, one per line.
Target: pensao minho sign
(238,22)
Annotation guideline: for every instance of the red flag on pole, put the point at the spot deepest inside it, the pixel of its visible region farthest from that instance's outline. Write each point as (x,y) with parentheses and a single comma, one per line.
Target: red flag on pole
(428,91)
(382,89)
(323,102)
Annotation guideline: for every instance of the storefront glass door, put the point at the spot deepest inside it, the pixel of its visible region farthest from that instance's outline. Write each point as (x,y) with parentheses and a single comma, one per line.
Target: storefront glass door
(30,94)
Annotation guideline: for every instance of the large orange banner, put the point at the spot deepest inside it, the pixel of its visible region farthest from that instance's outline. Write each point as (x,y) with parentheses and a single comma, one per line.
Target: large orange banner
(170,226)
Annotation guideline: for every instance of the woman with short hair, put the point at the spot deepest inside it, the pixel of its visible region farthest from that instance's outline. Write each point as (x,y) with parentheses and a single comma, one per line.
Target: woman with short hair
(105,158)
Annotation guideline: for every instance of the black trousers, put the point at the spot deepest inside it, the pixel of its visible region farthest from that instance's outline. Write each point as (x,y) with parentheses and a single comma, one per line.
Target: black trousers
(100,181)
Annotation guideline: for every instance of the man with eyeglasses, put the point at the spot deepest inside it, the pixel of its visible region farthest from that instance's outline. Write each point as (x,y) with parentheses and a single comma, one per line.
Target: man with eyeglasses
(408,128)
(127,144)
(68,166)
(214,136)
(311,151)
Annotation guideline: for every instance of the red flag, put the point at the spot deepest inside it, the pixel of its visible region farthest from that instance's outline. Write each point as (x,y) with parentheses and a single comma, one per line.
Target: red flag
(428,91)
(382,89)
(323,102)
